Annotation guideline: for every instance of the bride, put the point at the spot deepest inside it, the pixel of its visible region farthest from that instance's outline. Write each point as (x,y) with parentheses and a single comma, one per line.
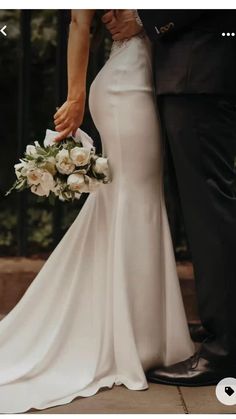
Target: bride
(107,305)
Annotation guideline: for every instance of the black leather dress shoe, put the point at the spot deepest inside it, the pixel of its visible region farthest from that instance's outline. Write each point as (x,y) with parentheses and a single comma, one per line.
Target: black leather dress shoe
(193,372)
(197,332)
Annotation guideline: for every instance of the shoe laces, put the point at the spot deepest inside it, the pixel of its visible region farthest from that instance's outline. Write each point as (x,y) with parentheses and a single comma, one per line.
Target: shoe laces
(195,359)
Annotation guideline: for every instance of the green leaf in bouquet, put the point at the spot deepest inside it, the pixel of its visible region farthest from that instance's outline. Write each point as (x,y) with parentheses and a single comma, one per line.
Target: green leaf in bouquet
(39,159)
(29,157)
(50,167)
(41,151)
(12,188)
(53,150)
(21,184)
(70,143)
(18,185)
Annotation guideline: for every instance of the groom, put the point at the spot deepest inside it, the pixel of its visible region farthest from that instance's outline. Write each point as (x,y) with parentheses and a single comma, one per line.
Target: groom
(195,76)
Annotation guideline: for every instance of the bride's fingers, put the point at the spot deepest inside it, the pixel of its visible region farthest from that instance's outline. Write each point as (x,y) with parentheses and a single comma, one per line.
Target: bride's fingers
(64,134)
(62,127)
(61,111)
(59,120)
(58,113)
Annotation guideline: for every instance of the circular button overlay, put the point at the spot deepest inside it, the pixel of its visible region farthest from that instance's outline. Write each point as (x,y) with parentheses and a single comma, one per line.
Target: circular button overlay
(226,391)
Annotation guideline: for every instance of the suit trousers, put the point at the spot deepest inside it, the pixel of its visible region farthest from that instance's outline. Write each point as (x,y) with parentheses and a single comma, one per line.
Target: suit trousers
(201,134)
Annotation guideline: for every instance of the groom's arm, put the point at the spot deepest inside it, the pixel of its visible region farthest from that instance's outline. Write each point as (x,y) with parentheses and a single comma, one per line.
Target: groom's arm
(158,23)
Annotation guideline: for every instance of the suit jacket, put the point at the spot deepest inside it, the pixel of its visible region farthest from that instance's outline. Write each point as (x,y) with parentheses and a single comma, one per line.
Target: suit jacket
(190,53)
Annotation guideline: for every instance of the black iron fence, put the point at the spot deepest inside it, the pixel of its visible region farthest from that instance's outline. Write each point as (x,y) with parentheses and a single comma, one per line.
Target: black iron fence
(40,86)
(24,108)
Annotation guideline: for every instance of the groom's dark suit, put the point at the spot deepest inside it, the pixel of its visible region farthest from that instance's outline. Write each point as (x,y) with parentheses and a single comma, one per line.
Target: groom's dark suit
(195,77)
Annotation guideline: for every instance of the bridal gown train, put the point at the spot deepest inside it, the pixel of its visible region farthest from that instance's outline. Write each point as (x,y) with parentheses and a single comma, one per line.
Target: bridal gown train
(106,306)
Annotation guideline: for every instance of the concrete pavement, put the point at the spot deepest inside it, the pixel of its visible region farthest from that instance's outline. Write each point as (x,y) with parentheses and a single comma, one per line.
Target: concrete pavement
(157,399)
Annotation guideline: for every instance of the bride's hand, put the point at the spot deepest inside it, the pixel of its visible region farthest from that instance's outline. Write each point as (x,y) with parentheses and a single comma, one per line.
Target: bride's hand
(68,118)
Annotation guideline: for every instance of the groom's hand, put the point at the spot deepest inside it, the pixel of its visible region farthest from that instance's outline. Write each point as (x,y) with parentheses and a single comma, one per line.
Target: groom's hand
(122,24)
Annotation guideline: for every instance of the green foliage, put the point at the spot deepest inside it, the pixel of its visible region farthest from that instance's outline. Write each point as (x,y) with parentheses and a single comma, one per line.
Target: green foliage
(40,227)
(44,33)
(8,224)
(39,230)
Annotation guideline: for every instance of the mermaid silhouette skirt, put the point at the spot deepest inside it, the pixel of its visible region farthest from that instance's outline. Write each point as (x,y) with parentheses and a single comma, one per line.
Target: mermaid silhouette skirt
(106,306)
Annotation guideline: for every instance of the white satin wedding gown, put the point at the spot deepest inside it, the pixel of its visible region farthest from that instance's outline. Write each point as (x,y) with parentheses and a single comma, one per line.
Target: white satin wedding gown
(107,305)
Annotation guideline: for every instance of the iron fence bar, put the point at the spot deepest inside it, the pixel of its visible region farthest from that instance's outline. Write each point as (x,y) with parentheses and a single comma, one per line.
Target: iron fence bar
(23,120)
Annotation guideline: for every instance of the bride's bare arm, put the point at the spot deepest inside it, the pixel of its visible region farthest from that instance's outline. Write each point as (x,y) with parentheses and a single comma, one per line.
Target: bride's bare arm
(70,115)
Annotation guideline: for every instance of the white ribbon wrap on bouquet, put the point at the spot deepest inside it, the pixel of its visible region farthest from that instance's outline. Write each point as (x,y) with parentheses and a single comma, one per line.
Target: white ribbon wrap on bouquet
(80,135)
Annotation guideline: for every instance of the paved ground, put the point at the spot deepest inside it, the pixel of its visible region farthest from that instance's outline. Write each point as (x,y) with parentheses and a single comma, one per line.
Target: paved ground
(157,399)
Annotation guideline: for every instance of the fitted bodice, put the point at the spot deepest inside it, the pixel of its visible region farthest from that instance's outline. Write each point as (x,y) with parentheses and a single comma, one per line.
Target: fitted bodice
(116,45)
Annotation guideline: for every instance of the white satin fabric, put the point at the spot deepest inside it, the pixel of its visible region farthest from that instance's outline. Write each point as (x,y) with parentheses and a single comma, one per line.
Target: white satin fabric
(107,305)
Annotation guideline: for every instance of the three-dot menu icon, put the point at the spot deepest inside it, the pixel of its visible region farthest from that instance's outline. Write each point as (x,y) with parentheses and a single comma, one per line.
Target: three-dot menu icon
(228,34)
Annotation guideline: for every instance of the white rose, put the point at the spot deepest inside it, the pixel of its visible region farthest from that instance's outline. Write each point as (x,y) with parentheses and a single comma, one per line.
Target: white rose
(41,182)
(34,176)
(31,150)
(47,182)
(80,156)
(76,182)
(101,166)
(64,163)
(38,190)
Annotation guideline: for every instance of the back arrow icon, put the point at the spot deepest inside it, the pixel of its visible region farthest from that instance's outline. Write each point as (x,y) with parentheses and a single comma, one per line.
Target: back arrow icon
(3,30)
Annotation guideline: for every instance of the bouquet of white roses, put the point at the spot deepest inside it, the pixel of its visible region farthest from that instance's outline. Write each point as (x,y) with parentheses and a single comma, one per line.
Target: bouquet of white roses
(63,169)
